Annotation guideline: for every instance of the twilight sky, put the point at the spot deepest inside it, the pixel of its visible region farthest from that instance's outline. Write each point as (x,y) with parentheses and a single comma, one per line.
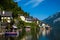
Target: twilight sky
(40,9)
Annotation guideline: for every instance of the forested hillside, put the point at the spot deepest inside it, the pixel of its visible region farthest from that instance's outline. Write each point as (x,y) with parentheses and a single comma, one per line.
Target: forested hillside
(10,5)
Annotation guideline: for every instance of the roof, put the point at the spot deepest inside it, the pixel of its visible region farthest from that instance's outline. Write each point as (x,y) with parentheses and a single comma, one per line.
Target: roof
(6,13)
(29,18)
(14,26)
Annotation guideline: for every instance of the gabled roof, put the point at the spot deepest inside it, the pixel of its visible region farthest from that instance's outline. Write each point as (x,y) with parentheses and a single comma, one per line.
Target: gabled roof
(14,26)
(29,18)
(6,13)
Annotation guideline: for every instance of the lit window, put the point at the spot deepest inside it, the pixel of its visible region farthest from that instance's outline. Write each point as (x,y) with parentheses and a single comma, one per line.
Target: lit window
(8,17)
(8,21)
(1,17)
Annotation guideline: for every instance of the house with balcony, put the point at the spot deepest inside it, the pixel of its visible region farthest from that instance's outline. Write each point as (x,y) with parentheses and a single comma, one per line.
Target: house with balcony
(21,17)
(26,19)
(6,17)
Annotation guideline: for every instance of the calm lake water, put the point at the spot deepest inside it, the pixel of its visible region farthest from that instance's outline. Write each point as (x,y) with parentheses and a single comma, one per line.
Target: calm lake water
(50,35)
(45,35)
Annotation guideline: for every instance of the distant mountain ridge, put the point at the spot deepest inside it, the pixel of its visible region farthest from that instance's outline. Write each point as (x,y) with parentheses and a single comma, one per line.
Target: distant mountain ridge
(54,22)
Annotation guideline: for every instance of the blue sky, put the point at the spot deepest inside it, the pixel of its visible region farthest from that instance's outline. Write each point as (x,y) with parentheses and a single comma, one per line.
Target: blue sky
(40,9)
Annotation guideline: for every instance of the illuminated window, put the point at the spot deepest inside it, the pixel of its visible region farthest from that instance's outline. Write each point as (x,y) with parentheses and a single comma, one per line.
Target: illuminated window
(1,17)
(8,21)
(8,17)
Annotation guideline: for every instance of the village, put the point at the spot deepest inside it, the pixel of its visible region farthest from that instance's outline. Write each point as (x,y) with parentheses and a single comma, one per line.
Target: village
(11,27)
(29,19)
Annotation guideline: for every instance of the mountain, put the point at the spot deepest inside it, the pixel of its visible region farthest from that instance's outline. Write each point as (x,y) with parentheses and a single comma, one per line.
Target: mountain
(54,22)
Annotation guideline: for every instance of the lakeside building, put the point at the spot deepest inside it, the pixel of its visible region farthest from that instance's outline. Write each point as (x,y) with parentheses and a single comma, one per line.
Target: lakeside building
(26,19)
(5,19)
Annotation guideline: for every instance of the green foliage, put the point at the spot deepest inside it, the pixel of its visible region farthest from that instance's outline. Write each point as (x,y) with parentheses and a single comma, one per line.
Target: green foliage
(20,24)
(34,32)
(26,14)
(10,5)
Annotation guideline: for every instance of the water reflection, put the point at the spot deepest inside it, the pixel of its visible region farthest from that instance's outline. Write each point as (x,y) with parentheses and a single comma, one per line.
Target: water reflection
(44,35)
(27,36)
(53,34)
(43,32)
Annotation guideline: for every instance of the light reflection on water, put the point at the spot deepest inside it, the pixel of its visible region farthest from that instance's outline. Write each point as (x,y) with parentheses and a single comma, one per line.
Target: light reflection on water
(44,35)
(43,32)
(54,34)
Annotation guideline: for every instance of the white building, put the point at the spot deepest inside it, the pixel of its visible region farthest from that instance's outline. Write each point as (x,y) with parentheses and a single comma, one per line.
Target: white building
(26,19)
(22,18)
(43,25)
